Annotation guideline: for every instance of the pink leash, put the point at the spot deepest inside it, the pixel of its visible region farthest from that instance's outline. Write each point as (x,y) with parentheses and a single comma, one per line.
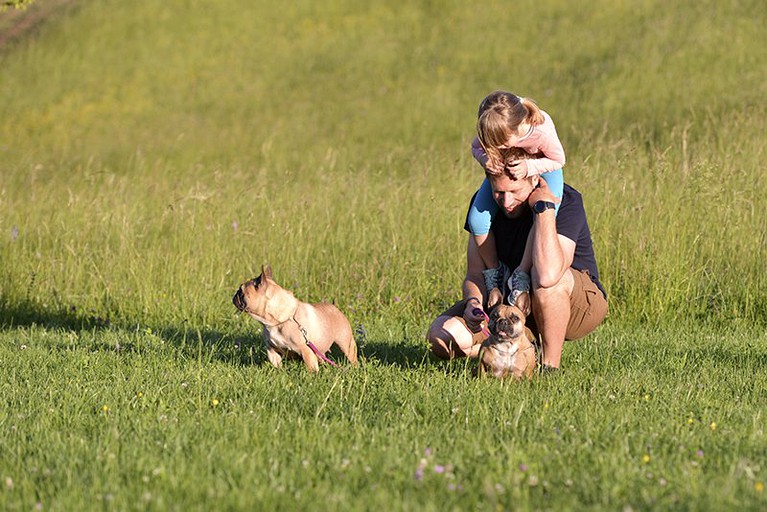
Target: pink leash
(313,347)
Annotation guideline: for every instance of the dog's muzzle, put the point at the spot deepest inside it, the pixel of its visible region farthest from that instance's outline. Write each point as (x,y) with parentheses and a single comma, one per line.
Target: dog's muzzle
(239,300)
(508,326)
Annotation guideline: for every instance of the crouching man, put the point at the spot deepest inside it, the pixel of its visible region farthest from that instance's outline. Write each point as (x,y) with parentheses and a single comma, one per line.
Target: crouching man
(566,297)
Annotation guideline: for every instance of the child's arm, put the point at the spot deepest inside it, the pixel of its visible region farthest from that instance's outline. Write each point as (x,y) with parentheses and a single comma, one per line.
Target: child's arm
(482,157)
(544,140)
(478,152)
(553,157)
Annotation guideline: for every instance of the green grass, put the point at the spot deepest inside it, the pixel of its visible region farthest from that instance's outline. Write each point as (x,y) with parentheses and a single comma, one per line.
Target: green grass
(154,155)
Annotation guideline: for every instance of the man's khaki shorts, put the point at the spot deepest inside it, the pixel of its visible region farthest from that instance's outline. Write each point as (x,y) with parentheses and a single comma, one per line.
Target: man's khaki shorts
(588,307)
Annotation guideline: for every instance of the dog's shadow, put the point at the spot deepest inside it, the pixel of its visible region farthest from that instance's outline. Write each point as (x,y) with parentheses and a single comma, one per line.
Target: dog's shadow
(237,348)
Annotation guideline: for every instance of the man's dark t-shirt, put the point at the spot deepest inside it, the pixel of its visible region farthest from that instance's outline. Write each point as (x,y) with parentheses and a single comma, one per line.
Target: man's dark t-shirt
(511,234)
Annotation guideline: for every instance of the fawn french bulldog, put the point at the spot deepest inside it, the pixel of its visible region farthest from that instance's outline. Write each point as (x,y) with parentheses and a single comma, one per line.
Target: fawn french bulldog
(292,326)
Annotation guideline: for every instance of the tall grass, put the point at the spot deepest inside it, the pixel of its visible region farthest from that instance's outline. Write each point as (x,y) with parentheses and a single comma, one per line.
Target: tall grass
(155,155)
(333,141)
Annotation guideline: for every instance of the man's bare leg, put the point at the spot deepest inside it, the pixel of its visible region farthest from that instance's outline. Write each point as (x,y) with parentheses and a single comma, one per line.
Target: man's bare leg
(551,307)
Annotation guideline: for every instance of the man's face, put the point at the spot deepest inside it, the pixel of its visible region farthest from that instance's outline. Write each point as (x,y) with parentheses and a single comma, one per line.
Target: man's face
(511,195)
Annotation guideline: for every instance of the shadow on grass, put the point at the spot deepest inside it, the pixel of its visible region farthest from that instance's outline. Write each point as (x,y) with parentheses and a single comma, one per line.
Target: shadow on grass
(28,314)
(399,354)
(193,343)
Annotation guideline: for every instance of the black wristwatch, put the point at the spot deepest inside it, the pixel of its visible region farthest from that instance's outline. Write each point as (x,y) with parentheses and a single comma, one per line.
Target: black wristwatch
(542,206)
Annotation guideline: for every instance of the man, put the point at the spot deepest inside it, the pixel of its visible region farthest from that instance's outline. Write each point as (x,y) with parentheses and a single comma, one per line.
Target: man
(568,301)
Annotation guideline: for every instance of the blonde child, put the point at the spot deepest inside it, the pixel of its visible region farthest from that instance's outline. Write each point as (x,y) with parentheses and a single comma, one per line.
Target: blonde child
(505,121)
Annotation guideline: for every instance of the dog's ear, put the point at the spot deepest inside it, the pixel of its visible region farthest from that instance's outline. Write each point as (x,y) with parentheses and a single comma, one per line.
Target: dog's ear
(494,300)
(266,271)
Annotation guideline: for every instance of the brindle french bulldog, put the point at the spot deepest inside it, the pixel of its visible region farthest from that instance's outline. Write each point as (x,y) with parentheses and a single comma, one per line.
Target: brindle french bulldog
(509,350)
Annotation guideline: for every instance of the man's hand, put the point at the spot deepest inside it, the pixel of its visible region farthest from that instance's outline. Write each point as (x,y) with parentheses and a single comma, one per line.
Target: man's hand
(473,314)
(542,193)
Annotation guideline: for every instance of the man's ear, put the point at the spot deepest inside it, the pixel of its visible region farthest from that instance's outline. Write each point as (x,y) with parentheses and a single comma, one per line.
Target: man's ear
(535,180)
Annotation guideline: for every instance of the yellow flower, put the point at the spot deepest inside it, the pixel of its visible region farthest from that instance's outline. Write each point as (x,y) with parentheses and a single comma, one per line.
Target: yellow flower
(690,421)
(713,425)
(105,408)
(758,486)
(646,459)
(214,403)
(139,394)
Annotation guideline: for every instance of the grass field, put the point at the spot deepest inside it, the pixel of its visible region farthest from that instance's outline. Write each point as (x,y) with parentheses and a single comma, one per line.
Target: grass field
(154,154)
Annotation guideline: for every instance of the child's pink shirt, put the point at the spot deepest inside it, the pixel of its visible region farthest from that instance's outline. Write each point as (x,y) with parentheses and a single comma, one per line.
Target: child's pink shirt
(542,139)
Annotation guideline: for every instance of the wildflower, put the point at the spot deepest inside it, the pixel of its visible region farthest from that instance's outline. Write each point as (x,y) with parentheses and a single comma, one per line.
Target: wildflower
(713,426)
(14,233)
(439,469)
(214,403)
(690,421)
(647,398)
(759,486)
(9,483)
(23,347)
(523,467)
(699,453)
(139,395)
(105,409)
(418,474)
(646,459)
(427,452)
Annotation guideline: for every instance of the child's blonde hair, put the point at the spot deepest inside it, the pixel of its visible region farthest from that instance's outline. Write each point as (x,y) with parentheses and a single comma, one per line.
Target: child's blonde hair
(500,115)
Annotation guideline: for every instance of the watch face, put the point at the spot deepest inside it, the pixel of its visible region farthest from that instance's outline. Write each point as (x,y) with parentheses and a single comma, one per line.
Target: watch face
(542,206)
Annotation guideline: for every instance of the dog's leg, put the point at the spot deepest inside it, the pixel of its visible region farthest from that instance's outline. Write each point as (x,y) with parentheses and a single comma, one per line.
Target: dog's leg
(310,360)
(482,366)
(348,346)
(274,357)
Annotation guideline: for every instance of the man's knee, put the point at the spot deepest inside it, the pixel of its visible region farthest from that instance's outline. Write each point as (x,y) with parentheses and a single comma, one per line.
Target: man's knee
(448,338)
(545,294)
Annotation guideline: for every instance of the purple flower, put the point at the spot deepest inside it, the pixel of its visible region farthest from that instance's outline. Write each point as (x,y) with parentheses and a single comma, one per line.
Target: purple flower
(418,474)
(523,467)
(699,453)
(427,452)
(439,468)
